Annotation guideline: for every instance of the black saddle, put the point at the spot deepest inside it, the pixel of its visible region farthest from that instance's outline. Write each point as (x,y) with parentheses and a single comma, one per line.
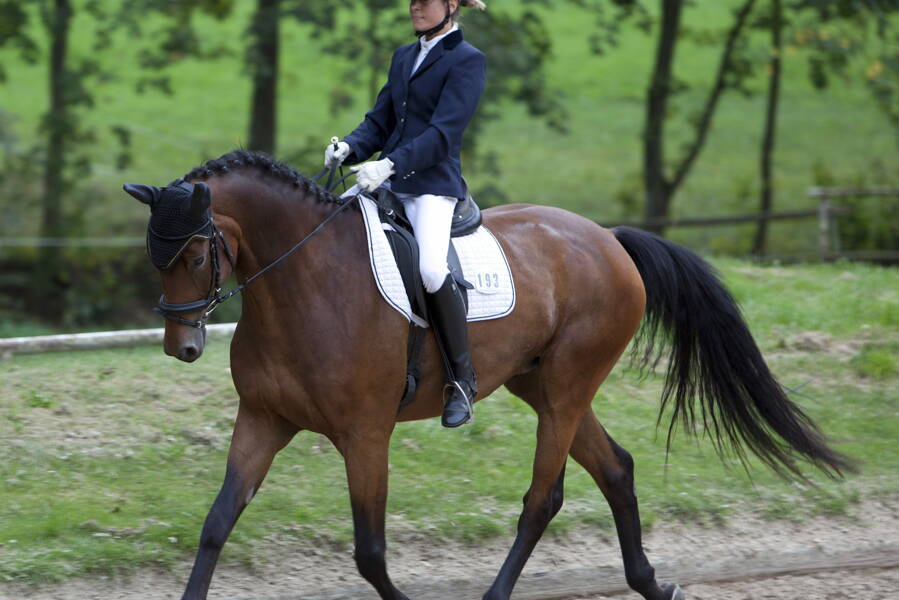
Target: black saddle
(466,216)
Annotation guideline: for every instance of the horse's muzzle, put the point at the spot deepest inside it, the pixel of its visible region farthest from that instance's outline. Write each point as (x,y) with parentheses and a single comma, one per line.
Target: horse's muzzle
(184,343)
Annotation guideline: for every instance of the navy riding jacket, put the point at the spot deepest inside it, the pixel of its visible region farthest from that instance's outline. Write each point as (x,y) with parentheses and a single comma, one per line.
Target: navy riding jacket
(418,121)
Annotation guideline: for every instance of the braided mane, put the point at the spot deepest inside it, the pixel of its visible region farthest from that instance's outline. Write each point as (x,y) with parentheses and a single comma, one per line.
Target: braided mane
(237,160)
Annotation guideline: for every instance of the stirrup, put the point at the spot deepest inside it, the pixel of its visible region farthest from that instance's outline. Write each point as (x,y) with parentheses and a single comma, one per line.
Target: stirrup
(469,405)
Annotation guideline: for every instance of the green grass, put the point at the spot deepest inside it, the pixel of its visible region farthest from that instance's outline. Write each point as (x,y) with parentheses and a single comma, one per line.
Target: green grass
(878,361)
(594,170)
(111,458)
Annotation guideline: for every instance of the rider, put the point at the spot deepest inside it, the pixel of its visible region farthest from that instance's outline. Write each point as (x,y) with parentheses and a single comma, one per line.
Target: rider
(432,91)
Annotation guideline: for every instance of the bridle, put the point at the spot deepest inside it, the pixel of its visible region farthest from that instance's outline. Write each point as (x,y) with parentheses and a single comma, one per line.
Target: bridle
(214,296)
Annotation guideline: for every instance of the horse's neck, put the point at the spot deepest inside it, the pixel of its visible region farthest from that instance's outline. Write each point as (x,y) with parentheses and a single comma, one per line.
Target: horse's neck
(315,279)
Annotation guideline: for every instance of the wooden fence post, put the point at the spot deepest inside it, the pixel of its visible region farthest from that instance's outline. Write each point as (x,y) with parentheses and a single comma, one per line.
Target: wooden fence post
(824,227)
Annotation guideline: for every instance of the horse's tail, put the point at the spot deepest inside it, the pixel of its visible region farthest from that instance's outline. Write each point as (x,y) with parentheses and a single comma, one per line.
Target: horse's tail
(713,359)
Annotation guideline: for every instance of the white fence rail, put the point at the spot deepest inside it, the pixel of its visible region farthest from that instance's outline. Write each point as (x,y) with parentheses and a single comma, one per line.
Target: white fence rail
(69,242)
(99,340)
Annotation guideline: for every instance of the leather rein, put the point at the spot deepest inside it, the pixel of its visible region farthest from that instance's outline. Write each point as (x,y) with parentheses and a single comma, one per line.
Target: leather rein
(214,296)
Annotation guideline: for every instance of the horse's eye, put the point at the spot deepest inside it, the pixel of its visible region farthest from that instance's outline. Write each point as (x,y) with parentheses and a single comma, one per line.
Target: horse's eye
(198,262)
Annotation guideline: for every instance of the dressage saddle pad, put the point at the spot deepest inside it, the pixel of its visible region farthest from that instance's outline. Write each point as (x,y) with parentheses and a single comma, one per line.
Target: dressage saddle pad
(483,264)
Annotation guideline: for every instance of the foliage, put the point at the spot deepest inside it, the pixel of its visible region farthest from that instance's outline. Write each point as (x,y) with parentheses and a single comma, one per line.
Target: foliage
(872,224)
(663,178)
(103,285)
(853,40)
(172,39)
(14,20)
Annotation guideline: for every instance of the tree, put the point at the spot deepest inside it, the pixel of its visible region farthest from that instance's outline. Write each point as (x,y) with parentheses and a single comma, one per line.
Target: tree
(841,38)
(262,61)
(64,139)
(58,124)
(261,54)
(852,39)
(662,178)
(776,26)
(262,58)
(367,42)
(731,74)
(69,91)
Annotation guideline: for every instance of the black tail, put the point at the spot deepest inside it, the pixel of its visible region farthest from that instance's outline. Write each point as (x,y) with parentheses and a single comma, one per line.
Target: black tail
(714,359)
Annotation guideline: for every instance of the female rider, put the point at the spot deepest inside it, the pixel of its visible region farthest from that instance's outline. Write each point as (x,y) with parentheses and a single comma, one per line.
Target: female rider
(432,91)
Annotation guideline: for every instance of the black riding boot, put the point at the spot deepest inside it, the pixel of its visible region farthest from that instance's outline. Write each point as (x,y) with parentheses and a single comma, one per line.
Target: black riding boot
(448,318)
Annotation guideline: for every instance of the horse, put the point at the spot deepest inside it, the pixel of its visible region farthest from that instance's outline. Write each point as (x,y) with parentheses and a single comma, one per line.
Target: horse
(317,349)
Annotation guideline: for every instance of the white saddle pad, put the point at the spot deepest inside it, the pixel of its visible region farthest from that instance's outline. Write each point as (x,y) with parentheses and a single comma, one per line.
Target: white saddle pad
(483,261)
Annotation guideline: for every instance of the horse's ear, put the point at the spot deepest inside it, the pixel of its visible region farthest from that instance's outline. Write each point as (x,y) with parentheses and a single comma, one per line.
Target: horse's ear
(145,193)
(200,200)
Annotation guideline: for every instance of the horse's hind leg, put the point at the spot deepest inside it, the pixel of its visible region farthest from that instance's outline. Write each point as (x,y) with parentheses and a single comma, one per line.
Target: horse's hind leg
(612,467)
(256,439)
(557,423)
(365,454)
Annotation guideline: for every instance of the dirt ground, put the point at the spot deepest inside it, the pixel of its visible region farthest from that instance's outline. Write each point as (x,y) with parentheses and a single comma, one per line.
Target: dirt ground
(293,572)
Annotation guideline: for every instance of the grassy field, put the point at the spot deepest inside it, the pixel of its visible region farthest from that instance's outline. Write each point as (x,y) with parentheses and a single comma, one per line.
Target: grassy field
(837,136)
(111,458)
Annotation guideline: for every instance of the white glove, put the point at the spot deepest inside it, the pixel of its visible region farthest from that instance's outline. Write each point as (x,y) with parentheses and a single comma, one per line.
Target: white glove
(372,174)
(338,155)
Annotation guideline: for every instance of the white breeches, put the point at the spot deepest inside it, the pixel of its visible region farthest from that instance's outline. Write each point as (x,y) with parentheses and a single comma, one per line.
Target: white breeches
(431,217)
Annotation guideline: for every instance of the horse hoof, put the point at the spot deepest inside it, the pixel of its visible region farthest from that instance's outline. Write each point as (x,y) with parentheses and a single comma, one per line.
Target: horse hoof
(673,592)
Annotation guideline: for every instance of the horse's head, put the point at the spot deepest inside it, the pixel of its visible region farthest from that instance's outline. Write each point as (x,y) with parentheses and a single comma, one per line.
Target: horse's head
(193,257)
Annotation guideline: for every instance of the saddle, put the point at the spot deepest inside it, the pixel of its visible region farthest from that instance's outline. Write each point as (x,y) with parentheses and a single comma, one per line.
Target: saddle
(466,219)
(400,236)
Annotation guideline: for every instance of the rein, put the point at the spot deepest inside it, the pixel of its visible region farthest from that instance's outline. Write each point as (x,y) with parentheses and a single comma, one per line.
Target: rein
(214,297)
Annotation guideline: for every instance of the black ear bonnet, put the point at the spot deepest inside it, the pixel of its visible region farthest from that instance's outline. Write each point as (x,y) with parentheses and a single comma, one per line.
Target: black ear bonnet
(180,215)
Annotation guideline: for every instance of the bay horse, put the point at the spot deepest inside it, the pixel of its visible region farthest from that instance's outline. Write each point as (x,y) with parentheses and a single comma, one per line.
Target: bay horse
(317,349)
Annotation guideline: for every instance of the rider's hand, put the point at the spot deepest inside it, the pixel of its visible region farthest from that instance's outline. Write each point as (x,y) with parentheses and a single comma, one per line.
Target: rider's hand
(336,156)
(372,174)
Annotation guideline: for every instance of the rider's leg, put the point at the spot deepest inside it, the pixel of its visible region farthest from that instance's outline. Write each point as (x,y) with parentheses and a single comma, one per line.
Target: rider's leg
(431,217)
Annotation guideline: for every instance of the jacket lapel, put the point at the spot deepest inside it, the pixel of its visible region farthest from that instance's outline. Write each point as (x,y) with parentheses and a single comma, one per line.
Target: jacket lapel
(432,57)
(449,42)
(409,61)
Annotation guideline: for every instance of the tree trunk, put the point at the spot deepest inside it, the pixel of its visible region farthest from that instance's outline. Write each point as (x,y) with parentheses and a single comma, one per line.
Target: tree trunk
(263,59)
(657,187)
(48,290)
(660,188)
(767,191)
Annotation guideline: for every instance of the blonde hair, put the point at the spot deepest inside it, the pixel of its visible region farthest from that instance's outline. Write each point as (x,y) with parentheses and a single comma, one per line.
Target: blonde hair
(468,4)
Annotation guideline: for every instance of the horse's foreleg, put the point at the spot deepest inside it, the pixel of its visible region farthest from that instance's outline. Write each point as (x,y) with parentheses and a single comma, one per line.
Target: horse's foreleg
(365,454)
(542,501)
(256,440)
(612,467)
